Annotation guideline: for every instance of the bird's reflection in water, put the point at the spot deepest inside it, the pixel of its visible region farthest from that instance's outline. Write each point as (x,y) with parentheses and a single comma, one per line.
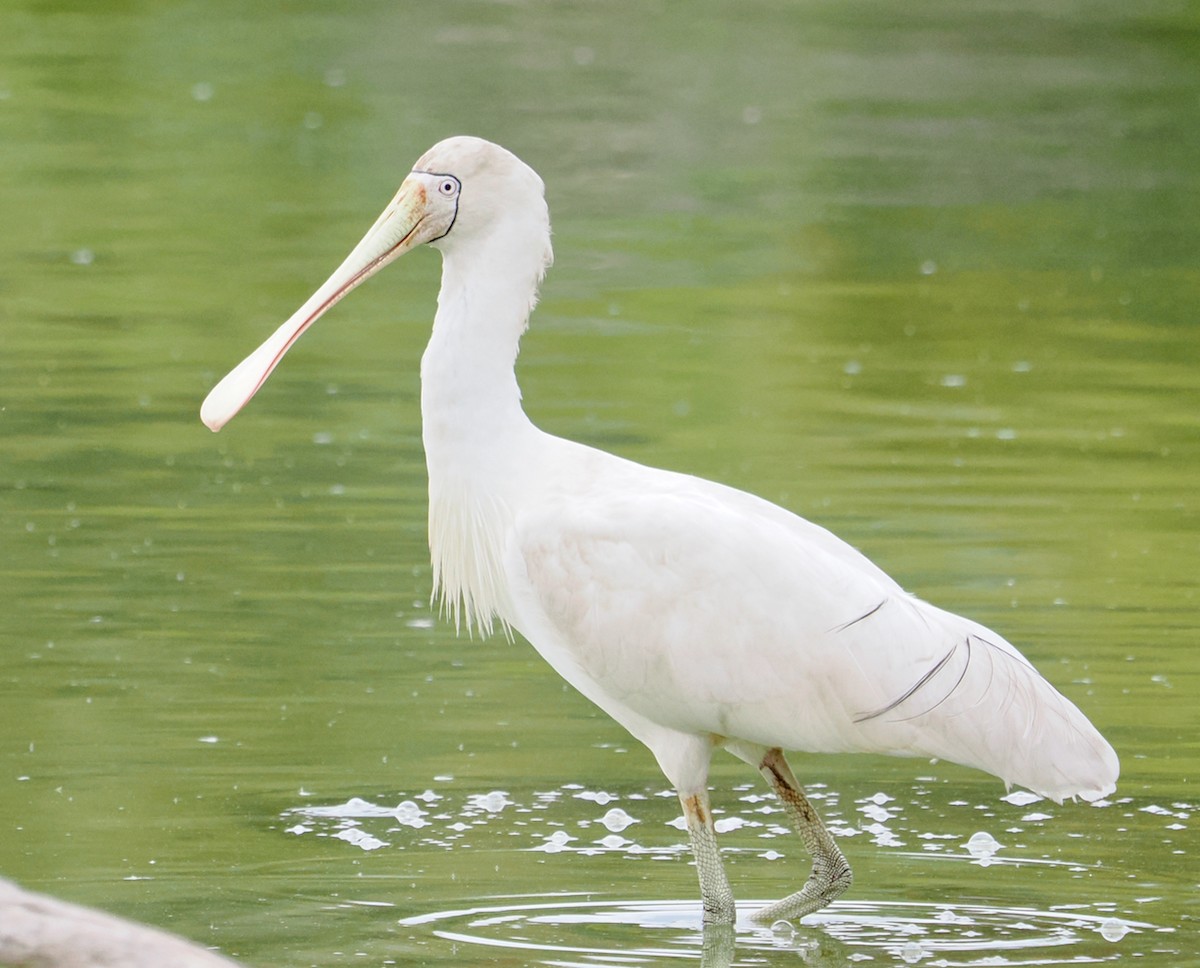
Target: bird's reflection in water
(809,943)
(718,946)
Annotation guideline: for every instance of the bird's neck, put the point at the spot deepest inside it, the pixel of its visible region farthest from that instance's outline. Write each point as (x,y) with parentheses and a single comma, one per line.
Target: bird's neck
(477,438)
(470,401)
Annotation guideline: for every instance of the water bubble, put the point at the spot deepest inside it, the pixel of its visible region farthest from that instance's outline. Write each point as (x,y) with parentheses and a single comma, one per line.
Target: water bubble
(876,813)
(950,916)
(360,838)
(596,796)
(556,842)
(409,814)
(729,823)
(354,807)
(1113,929)
(982,847)
(492,802)
(617,820)
(883,836)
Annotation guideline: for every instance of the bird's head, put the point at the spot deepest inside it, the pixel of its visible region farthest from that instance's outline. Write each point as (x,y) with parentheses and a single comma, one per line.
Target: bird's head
(494,189)
(461,191)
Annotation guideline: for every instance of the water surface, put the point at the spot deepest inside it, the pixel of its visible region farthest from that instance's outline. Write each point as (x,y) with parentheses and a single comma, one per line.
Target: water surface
(923,273)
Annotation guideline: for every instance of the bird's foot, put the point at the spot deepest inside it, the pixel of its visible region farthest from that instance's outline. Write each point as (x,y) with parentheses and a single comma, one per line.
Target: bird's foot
(824,886)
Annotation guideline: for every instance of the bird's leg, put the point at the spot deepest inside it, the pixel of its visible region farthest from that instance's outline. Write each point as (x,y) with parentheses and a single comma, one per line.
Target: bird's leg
(830,875)
(714,886)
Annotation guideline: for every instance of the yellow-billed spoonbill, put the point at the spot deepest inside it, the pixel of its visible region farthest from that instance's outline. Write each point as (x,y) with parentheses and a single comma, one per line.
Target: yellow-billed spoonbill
(696,615)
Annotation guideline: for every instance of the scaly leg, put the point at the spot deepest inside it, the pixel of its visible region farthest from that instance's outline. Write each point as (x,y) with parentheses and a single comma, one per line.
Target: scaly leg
(714,886)
(830,875)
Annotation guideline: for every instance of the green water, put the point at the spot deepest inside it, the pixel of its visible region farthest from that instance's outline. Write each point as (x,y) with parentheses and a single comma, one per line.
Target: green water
(926,273)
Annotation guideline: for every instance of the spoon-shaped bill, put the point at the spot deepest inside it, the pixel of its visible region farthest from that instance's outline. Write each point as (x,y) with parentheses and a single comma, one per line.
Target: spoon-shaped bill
(393,234)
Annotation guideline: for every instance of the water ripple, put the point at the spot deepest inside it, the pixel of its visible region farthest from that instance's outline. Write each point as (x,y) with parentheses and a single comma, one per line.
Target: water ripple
(568,931)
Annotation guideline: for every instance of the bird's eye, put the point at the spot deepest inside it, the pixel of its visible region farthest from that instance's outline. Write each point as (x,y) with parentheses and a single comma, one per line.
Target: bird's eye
(448,187)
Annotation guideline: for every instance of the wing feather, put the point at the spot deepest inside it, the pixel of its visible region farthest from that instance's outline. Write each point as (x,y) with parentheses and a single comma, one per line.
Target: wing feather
(708,610)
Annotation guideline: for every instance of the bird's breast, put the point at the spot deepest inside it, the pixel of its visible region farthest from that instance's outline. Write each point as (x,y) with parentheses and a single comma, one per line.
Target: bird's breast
(467,533)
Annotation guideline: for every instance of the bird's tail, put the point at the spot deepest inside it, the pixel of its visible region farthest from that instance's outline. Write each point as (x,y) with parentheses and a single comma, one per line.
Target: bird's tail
(982,704)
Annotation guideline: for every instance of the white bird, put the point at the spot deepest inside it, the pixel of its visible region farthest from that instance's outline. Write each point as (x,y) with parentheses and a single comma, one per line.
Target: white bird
(697,616)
